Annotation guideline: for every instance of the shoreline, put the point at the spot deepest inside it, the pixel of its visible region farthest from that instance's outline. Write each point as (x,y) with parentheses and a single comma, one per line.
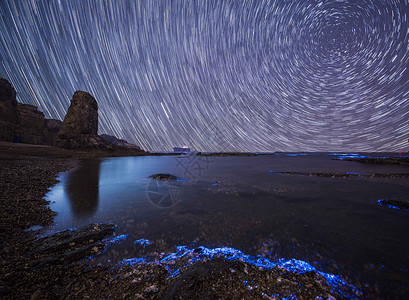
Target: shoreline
(27,175)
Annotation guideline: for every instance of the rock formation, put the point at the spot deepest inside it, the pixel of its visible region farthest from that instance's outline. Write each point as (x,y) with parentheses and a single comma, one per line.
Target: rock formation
(19,122)
(32,122)
(24,123)
(52,127)
(118,142)
(79,129)
(8,112)
(8,102)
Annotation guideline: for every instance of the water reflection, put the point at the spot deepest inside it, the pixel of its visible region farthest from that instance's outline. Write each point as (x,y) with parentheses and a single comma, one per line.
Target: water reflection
(82,188)
(332,222)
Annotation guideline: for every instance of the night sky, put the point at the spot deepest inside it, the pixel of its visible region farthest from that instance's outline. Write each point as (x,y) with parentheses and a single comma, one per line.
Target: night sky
(221,75)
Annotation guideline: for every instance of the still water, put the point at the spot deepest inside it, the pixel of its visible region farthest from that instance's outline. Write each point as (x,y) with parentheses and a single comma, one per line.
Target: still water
(335,224)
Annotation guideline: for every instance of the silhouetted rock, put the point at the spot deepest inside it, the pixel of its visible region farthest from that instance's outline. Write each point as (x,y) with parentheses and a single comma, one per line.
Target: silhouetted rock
(118,142)
(80,126)
(52,127)
(8,102)
(19,122)
(32,123)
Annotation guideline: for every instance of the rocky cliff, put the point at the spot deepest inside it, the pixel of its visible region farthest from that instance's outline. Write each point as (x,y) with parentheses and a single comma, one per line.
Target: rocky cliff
(24,123)
(8,102)
(32,122)
(52,127)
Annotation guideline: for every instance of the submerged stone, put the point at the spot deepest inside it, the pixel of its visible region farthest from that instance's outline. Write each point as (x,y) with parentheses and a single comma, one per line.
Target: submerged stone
(161,176)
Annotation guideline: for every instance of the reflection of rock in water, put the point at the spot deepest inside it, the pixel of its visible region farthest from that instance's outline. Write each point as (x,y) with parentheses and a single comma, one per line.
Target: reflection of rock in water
(82,188)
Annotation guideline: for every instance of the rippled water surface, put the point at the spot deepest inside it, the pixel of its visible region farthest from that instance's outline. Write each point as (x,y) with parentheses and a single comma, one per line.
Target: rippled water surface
(335,224)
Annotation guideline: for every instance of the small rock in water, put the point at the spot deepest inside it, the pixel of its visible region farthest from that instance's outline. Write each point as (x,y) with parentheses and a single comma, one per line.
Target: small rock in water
(161,176)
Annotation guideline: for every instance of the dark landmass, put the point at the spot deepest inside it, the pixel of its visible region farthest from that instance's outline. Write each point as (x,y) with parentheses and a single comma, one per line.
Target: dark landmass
(164,153)
(118,142)
(24,123)
(404,161)
(223,154)
(16,149)
(345,175)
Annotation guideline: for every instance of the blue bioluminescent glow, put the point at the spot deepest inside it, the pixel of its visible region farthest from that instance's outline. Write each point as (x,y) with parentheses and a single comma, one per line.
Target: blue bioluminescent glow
(386,203)
(115,240)
(142,242)
(173,262)
(355,173)
(275,172)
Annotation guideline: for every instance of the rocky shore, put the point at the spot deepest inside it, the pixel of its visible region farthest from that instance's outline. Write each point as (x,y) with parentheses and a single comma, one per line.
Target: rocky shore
(54,267)
(224,154)
(404,161)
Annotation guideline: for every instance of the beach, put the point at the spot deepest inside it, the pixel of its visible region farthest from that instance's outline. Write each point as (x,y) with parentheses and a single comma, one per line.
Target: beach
(202,268)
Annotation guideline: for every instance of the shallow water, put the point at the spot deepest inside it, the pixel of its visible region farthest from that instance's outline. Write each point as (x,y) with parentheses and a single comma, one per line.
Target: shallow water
(335,224)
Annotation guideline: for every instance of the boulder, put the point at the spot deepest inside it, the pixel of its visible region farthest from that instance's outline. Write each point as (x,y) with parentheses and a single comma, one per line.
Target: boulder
(80,126)
(118,142)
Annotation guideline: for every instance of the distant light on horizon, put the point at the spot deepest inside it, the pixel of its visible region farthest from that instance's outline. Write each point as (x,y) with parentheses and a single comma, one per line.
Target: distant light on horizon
(248,76)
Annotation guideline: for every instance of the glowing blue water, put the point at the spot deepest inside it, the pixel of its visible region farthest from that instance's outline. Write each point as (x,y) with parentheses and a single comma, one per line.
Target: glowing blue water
(335,225)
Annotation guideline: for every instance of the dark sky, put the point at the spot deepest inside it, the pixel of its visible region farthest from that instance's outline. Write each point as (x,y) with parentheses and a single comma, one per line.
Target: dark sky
(220,75)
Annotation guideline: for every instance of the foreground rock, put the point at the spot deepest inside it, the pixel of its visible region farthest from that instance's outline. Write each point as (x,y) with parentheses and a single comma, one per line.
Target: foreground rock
(221,279)
(71,245)
(79,129)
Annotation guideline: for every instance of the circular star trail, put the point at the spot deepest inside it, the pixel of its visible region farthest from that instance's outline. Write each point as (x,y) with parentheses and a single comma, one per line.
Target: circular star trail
(219,75)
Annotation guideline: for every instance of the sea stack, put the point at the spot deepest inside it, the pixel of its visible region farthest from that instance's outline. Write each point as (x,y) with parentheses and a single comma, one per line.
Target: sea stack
(79,129)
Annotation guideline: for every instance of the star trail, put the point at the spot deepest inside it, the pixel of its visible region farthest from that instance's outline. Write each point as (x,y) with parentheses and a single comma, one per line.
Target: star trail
(219,75)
